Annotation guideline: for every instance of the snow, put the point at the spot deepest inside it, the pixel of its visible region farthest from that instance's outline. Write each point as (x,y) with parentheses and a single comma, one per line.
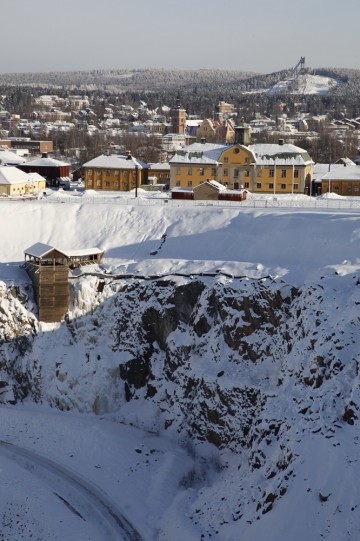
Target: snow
(305,84)
(141,473)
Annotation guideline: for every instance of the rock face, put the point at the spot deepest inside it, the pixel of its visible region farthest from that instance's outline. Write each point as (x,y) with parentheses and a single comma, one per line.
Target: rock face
(253,367)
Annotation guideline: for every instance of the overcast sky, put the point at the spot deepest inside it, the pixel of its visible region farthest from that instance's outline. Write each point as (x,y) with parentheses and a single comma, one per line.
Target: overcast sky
(250,35)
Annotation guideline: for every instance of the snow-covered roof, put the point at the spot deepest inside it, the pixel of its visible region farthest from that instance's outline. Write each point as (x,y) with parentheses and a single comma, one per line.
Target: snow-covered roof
(284,154)
(200,153)
(115,161)
(36,176)
(39,249)
(10,158)
(343,172)
(165,166)
(46,162)
(83,252)
(12,175)
(214,183)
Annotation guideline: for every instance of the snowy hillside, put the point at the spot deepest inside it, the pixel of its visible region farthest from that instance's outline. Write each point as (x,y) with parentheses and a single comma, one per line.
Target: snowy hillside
(305,84)
(207,373)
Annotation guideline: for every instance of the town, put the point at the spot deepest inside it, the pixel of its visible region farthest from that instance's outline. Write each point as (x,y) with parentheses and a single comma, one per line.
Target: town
(294,137)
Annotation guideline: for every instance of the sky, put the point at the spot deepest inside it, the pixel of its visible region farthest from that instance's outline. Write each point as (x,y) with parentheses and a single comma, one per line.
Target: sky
(258,36)
(67,475)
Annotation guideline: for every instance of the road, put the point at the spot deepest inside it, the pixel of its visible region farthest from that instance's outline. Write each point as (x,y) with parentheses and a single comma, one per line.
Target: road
(81,497)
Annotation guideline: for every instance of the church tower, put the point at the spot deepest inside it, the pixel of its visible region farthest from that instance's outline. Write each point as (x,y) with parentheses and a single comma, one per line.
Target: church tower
(178,118)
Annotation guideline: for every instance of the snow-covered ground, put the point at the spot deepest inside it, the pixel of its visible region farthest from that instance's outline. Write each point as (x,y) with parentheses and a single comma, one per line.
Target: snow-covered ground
(79,477)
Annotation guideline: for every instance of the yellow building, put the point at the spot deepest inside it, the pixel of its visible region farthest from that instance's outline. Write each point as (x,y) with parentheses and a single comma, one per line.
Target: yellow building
(114,172)
(280,168)
(199,162)
(267,168)
(342,180)
(13,181)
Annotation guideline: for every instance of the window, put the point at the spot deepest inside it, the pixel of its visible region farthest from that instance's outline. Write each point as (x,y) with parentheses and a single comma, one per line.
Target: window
(98,172)
(226,172)
(107,184)
(258,185)
(283,186)
(247,159)
(283,173)
(116,172)
(90,171)
(98,183)
(226,159)
(246,184)
(258,172)
(201,171)
(236,150)
(213,171)
(356,189)
(189,170)
(246,173)
(125,175)
(189,183)
(90,182)
(177,171)
(271,173)
(116,184)
(296,173)
(107,172)
(177,183)
(296,186)
(271,185)
(236,173)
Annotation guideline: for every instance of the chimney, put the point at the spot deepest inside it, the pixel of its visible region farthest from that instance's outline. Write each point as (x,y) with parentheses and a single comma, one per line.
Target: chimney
(203,140)
(281,142)
(128,155)
(44,155)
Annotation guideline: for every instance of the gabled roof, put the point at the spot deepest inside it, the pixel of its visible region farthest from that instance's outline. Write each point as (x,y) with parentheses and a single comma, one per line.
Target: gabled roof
(213,183)
(41,250)
(115,161)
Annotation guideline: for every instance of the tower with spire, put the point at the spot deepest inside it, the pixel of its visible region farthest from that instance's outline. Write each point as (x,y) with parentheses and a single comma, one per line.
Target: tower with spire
(178,117)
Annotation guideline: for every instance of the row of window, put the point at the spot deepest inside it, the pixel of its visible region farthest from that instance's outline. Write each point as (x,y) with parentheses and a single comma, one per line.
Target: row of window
(246,172)
(259,185)
(109,185)
(116,172)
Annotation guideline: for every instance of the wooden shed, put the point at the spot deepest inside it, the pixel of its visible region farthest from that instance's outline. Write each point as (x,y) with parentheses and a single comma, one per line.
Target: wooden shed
(48,269)
(208,190)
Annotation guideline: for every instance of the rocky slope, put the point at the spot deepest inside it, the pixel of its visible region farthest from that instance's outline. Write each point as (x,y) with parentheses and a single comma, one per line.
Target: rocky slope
(250,369)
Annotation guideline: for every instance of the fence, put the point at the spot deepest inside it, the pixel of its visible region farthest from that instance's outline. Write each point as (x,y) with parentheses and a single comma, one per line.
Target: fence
(261,203)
